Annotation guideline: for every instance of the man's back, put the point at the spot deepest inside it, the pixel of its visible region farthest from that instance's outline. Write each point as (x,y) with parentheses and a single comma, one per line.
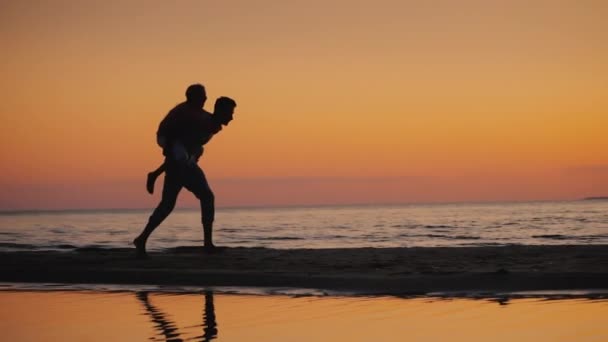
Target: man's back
(183,123)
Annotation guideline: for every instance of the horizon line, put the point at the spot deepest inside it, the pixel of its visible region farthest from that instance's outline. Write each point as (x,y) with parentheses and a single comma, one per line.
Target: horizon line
(289,206)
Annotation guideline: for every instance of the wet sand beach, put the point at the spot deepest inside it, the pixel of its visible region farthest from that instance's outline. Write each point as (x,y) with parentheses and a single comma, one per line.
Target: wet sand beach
(206,316)
(361,270)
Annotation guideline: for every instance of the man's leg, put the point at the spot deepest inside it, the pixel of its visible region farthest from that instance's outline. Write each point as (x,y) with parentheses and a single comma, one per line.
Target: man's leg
(151,179)
(171,188)
(196,182)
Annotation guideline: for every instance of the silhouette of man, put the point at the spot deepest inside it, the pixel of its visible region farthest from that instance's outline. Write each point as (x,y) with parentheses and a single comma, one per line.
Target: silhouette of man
(184,130)
(222,105)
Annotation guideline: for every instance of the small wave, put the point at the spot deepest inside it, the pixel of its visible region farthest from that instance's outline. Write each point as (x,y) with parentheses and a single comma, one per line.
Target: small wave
(466,237)
(65,246)
(438,226)
(421,236)
(162,240)
(435,236)
(240,242)
(441,236)
(31,247)
(337,237)
(485,244)
(551,236)
(272,238)
(58,231)
(590,237)
(17,246)
(229,230)
(571,237)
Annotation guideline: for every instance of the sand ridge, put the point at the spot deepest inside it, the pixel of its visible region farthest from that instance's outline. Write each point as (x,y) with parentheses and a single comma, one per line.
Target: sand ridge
(366,270)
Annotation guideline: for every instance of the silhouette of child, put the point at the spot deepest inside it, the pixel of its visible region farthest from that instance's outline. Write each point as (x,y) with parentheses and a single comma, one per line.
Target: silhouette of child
(202,134)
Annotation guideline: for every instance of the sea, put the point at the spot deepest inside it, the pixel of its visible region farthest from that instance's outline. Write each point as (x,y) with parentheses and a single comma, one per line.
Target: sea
(582,222)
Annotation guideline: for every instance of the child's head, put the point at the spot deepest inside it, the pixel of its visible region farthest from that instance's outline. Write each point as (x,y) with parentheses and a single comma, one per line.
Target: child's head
(224,107)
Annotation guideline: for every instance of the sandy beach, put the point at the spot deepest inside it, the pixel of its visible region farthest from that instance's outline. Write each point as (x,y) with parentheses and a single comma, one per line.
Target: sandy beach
(362,270)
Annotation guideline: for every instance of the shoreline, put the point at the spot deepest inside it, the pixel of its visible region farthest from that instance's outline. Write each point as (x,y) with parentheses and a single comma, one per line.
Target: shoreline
(391,271)
(9,287)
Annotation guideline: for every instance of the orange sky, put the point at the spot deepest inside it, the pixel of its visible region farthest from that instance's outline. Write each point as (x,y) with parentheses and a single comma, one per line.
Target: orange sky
(339,101)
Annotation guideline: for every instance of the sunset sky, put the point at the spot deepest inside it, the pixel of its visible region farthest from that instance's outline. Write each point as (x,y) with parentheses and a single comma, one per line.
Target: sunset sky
(339,101)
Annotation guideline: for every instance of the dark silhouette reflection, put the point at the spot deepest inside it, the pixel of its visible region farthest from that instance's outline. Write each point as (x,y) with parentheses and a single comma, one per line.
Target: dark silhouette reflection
(161,323)
(209,324)
(168,329)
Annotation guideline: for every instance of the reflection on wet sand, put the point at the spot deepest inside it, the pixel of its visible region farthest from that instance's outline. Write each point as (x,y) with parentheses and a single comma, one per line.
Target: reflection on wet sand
(158,316)
(210,325)
(169,329)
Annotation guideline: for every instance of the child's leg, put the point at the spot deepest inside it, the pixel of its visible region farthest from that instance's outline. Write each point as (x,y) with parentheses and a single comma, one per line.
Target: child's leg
(152,177)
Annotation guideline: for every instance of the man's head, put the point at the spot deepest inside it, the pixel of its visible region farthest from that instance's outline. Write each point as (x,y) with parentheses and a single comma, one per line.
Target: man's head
(224,109)
(196,95)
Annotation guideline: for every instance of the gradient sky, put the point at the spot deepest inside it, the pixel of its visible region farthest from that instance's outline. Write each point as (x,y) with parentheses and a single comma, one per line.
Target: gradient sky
(338,101)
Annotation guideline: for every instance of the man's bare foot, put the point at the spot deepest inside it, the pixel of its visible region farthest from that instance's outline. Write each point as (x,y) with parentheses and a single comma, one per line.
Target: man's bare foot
(150,182)
(212,249)
(209,248)
(140,247)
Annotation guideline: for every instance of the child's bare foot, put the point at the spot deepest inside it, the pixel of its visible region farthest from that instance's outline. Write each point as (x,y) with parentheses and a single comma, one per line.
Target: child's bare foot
(140,247)
(150,182)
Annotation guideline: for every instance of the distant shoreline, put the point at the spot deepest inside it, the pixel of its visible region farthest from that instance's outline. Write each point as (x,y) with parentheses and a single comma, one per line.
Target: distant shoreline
(599,198)
(360,270)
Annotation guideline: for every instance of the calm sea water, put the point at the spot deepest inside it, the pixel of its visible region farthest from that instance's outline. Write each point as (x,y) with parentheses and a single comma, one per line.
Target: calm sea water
(451,225)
